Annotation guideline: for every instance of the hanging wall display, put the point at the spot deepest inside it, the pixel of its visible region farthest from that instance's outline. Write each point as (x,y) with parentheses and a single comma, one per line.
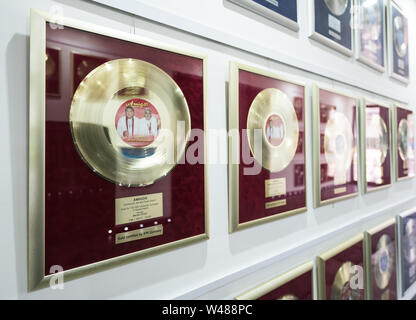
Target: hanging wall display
(335,146)
(110,179)
(330,24)
(407,246)
(370,33)
(404,142)
(340,274)
(266,120)
(375,146)
(284,12)
(380,261)
(296,284)
(398,42)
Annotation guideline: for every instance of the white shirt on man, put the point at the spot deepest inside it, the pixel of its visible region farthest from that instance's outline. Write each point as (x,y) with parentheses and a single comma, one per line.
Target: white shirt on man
(128,126)
(147,127)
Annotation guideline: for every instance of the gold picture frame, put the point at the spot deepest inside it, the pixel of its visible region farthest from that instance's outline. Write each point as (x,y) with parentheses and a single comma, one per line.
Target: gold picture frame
(234,149)
(324,257)
(362,144)
(36,207)
(395,144)
(316,147)
(277,282)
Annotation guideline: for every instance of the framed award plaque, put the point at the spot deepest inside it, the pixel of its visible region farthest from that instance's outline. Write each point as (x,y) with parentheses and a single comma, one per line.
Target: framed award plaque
(295,284)
(375,146)
(407,247)
(110,177)
(404,143)
(398,44)
(266,120)
(330,24)
(340,272)
(370,33)
(284,12)
(380,262)
(335,149)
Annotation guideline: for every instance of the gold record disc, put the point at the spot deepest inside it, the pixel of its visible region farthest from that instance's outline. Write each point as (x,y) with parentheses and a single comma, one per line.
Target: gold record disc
(273,118)
(410,241)
(123,119)
(377,138)
(288,297)
(337,7)
(403,139)
(341,287)
(338,145)
(400,43)
(383,266)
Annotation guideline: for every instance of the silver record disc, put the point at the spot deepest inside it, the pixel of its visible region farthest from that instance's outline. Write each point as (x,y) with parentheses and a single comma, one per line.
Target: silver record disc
(337,7)
(383,266)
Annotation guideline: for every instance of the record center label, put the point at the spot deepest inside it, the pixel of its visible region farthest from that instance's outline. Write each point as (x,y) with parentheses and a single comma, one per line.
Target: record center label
(275,187)
(139,234)
(138,208)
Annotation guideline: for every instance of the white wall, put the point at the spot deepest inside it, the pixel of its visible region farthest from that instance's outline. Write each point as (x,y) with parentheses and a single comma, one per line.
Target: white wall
(225,265)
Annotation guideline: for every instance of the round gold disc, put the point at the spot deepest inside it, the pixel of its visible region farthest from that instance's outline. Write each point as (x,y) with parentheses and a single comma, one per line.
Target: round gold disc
(272,118)
(341,287)
(338,144)
(384,261)
(124,118)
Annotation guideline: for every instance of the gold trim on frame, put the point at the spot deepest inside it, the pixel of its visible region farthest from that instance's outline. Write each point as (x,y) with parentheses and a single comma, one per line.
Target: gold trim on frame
(277,282)
(36,210)
(322,258)
(234,149)
(316,169)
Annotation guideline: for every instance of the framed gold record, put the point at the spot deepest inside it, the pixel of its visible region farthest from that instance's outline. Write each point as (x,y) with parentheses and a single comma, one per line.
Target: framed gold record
(295,284)
(109,174)
(340,273)
(266,122)
(403,142)
(335,146)
(375,145)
